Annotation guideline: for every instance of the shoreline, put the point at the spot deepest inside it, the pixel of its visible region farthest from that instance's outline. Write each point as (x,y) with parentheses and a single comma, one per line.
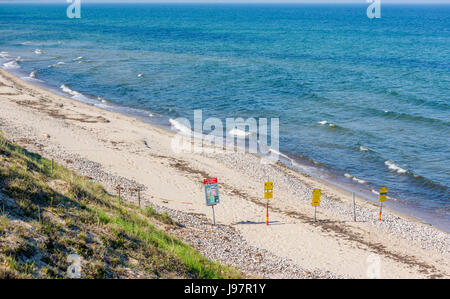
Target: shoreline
(140,151)
(329,177)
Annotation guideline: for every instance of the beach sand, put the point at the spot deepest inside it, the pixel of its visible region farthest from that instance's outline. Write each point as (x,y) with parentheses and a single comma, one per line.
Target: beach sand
(116,149)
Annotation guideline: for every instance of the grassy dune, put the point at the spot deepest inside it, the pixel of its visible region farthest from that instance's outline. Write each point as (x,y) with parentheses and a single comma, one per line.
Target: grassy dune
(48,215)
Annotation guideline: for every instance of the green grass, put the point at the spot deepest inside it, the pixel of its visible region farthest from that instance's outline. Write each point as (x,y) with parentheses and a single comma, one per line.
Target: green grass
(62,213)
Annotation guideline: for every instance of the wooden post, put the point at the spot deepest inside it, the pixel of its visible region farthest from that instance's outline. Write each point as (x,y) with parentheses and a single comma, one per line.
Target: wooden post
(354,206)
(118,188)
(52,167)
(139,198)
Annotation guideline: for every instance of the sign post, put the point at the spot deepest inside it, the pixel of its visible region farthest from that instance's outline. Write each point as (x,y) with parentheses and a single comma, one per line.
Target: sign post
(316,201)
(211,194)
(268,194)
(354,206)
(382,198)
(139,197)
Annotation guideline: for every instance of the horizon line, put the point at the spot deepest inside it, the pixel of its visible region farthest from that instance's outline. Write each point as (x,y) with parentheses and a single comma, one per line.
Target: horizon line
(361,2)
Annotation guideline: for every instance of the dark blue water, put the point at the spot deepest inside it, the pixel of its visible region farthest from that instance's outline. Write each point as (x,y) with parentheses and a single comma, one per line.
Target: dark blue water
(367,99)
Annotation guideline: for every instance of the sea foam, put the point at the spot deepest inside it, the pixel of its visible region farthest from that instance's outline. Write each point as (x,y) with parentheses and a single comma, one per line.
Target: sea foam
(355,178)
(11,65)
(180,127)
(392,166)
(74,94)
(240,133)
(4,55)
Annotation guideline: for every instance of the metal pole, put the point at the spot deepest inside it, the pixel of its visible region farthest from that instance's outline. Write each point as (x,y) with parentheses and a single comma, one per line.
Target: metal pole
(52,166)
(267,206)
(315,214)
(381,209)
(214,215)
(354,206)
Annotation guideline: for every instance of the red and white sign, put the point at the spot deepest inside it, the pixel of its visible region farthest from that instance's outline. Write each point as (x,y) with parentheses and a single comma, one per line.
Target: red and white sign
(210,181)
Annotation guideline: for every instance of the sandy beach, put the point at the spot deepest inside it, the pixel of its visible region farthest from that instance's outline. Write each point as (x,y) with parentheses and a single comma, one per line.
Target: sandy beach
(115,149)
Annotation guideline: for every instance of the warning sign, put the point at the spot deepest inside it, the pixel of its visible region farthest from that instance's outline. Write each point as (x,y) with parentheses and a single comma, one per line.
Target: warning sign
(268,190)
(211,191)
(383,194)
(316,198)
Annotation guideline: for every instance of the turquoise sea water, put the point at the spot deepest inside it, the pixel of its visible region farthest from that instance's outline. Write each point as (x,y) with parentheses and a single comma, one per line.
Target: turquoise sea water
(366,102)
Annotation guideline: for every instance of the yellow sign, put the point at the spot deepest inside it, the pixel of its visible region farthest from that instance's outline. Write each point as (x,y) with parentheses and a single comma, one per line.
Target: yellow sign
(268,190)
(383,194)
(316,198)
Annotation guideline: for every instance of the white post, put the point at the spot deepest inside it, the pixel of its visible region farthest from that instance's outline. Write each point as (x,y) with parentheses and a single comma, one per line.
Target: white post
(354,206)
(315,213)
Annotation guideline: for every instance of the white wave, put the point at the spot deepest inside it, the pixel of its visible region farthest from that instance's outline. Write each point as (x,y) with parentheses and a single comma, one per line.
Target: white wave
(140,75)
(27,43)
(66,89)
(392,166)
(78,58)
(38,51)
(180,127)
(4,55)
(56,64)
(11,65)
(363,149)
(280,154)
(240,133)
(32,76)
(359,180)
(324,122)
(355,178)
(75,94)
(102,99)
